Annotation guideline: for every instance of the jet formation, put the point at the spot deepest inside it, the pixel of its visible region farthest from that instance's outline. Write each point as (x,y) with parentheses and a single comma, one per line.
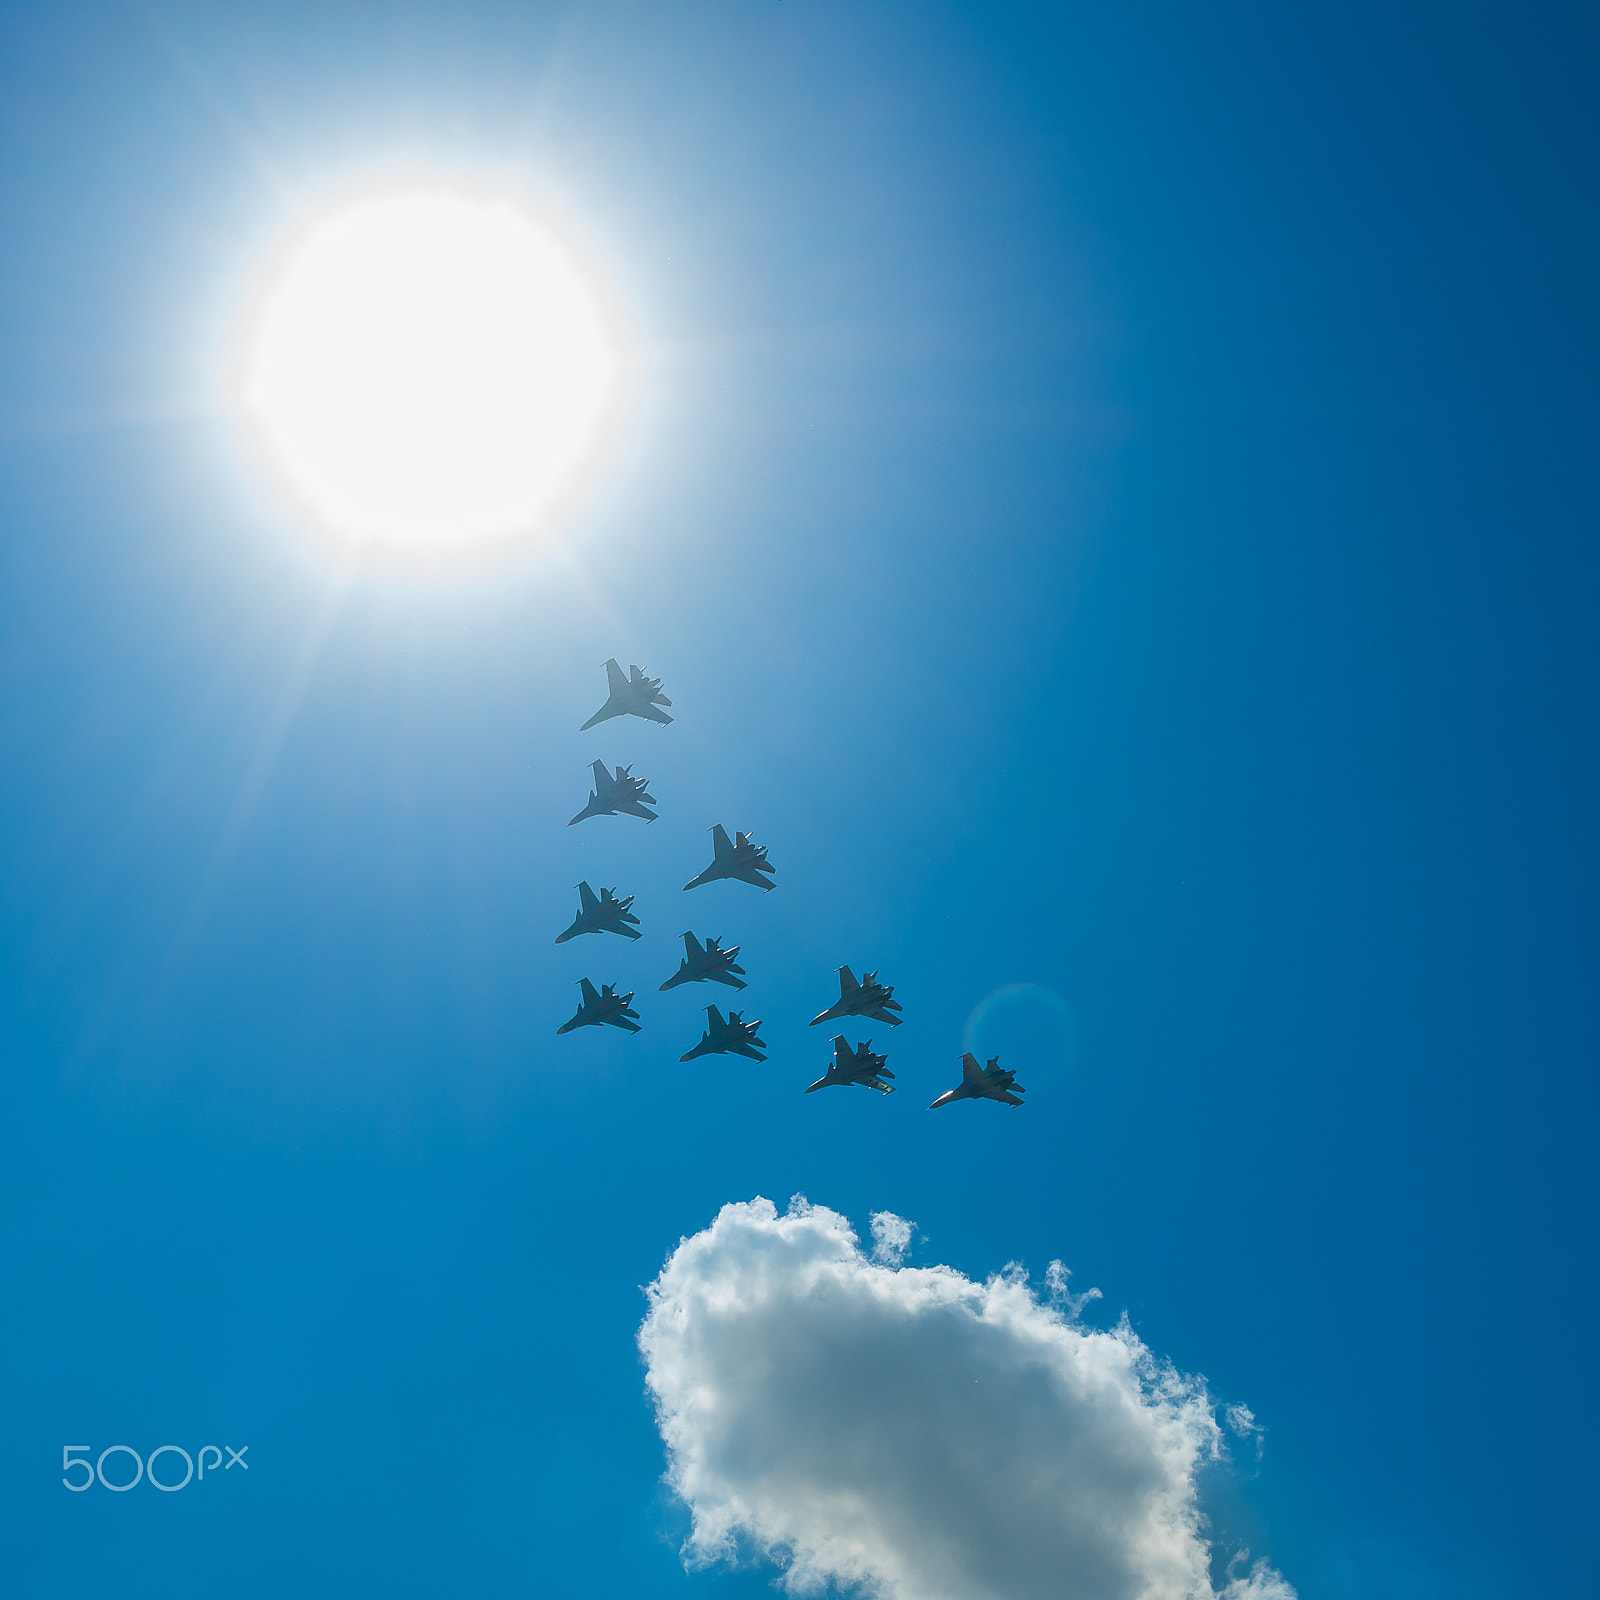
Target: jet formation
(620,793)
(607,1006)
(605,915)
(857,1066)
(742,860)
(631,696)
(707,961)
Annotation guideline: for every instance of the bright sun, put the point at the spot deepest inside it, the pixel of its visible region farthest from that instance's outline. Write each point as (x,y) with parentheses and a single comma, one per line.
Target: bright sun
(428,369)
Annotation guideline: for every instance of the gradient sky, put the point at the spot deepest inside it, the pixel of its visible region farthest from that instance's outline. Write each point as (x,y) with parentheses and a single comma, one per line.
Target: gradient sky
(1112,497)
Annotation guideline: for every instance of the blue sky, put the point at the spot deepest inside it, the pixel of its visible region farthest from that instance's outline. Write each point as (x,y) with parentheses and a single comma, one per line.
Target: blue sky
(1113,502)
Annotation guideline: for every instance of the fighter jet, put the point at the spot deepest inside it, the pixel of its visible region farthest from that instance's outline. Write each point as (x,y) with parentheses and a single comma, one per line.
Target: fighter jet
(706,961)
(605,915)
(607,1006)
(744,861)
(621,793)
(633,696)
(979,1083)
(859,1067)
(869,998)
(735,1036)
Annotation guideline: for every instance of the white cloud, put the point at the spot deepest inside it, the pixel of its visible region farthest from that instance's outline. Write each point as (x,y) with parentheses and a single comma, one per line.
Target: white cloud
(1260,1583)
(1242,1421)
(1061,1297)
(891,1238)
(920,1435)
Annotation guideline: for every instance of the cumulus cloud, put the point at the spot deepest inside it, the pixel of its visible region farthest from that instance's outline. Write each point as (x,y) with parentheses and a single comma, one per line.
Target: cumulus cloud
(917,1435)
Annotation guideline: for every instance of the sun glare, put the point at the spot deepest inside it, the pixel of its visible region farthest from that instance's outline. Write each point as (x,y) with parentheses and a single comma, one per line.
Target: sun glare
(428,370)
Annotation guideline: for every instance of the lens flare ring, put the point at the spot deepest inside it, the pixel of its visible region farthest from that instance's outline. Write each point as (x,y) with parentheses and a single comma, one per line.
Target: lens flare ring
(1012,998)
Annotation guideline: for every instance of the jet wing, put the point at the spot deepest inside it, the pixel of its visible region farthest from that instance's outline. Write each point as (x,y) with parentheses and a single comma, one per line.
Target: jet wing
(971,1073)
(847,982)
(615,681)
(721,844)
(590,998)
(717,1023)
(587,899)
(692,946)
(843,1055)
(602,779)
